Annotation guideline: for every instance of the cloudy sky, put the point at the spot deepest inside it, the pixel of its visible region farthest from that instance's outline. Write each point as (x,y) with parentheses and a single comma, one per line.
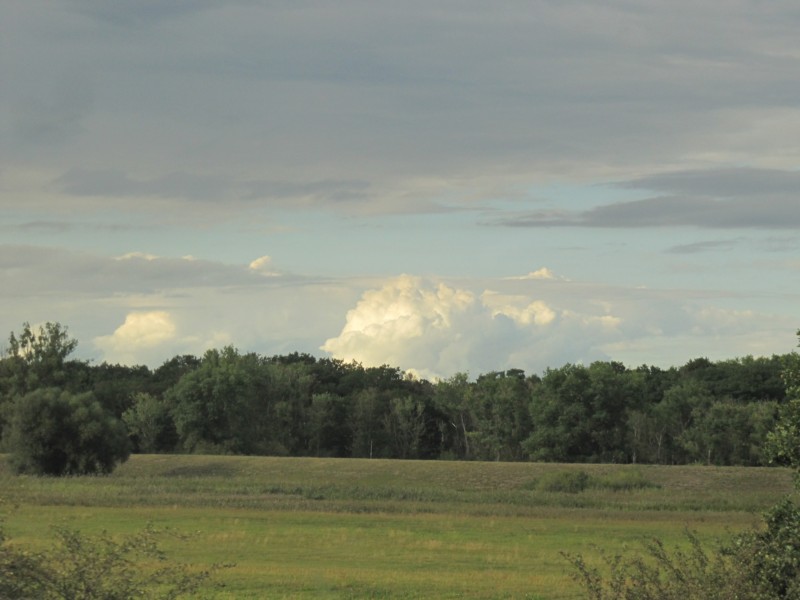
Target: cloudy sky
(439,186)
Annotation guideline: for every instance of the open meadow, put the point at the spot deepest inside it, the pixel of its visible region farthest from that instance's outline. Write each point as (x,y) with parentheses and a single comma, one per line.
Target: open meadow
(348,528)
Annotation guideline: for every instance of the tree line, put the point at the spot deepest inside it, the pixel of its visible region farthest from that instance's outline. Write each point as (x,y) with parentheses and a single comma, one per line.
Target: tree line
(233,402)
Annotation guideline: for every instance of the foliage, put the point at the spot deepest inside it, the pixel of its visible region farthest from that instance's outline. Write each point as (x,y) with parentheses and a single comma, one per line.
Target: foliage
(570,482)
(783,442)
(660,574)
(115,386)
(150,424)
(771,557)
(99,568)
(37,357)
(756,565)
(53,432)
(573,482)
(579,413)
(219,407)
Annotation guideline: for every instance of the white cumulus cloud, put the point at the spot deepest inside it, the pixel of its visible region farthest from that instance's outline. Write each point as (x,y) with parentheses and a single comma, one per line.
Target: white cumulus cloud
(518,308)
(435,330)
(409,322)
(141,332)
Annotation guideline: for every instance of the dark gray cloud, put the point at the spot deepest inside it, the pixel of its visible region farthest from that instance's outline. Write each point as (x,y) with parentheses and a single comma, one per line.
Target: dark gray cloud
(731,183)
(117,184)
(335,191)
(708,213)
(138,13)
(113,183)
(49,117)
(732,198)
(59,227)
(391,93)
(707,246)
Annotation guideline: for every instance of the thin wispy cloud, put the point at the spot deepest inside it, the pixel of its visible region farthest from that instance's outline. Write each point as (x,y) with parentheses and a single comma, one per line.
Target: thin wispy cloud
(730,183)
(706,213)
(706,246)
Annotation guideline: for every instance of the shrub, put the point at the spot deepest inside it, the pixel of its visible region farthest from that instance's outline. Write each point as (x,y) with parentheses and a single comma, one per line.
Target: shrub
(95,568)
(771,556)
(52,432)
(570,482)
(757,565)
(658,574)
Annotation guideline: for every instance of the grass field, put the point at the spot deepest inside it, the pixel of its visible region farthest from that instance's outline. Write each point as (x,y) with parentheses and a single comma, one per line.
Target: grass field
(331,528)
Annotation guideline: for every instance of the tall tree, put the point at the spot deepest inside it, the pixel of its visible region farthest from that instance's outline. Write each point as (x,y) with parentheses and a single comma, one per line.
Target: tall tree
(783,443)
(404,423)
(221,406)
(37,357)
(150,424)
(451,399)
(499,403)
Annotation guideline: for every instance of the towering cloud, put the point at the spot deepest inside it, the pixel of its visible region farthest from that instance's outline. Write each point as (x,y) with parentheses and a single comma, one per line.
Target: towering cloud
(141,332)
(435,330)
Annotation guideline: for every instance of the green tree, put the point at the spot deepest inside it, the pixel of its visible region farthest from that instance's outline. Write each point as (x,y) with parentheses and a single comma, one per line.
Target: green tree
(369,409)
(222,406)
(328,424)
(783,443)
(581,413)
(730,433)
(404,424)
(674,416)
(613,390)
(115,386)
(150,424)
(560,413)
(288,389)
(37,357)
(169,373)
(53,432)
(499,406)
(451,400)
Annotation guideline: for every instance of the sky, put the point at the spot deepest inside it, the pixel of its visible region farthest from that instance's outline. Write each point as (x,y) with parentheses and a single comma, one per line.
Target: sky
(438,186)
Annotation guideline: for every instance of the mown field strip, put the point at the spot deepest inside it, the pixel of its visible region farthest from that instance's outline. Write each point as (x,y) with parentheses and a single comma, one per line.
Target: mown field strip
(316,528)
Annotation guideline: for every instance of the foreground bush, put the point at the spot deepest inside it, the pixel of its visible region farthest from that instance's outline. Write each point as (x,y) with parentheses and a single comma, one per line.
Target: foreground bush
(657,574)
(84,568)
(52,432)
(758,565)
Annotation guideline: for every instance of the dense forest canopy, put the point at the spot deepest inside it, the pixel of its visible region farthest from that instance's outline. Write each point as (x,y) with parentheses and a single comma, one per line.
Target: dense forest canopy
(232,402)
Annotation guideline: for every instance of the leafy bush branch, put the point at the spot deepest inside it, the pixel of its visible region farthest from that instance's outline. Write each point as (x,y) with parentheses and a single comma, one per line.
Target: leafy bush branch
(80,567)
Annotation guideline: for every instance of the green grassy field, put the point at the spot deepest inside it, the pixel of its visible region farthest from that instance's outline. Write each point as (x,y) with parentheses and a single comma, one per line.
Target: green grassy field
(331,528)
